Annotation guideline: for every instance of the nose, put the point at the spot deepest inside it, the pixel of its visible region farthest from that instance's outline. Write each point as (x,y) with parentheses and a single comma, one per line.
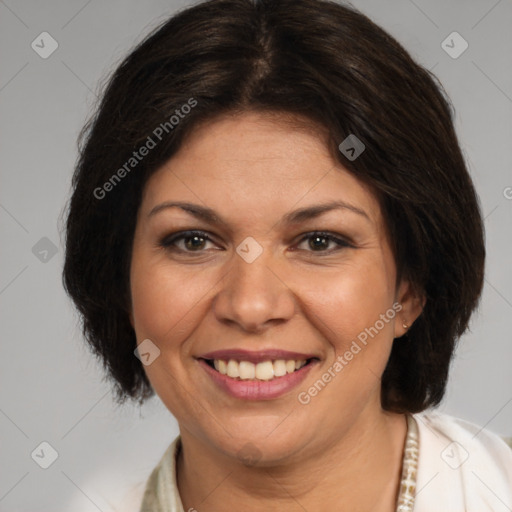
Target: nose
(253,296)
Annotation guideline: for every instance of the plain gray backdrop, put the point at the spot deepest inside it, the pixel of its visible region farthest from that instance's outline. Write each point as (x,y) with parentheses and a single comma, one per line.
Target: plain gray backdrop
(52,390)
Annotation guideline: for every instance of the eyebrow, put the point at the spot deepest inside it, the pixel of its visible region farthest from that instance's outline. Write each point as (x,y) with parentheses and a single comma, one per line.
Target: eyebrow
(303,214)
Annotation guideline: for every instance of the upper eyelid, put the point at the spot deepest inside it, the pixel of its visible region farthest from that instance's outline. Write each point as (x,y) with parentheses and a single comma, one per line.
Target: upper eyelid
(334,237)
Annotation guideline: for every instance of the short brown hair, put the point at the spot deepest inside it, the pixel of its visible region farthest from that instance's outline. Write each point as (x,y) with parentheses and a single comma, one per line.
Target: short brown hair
(318,60)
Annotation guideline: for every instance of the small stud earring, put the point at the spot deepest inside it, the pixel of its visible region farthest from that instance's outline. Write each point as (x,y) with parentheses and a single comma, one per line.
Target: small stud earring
(405,326)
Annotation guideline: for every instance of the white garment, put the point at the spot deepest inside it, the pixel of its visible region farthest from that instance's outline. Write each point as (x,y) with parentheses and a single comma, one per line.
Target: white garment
(461,468)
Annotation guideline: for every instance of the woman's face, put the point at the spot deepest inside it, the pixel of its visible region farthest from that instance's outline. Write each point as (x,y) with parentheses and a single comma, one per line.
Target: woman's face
(258,287)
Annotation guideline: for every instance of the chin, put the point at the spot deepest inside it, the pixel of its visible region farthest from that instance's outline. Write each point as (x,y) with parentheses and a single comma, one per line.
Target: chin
(259,450)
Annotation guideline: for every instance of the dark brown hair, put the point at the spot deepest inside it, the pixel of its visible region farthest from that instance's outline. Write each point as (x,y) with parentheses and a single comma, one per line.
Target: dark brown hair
(318,60)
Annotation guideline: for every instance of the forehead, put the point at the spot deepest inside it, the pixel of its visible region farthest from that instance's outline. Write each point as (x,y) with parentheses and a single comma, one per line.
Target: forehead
(257,165)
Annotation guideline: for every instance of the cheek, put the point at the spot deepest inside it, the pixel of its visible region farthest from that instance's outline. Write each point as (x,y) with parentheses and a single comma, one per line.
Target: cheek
(344,303)
(166,301)
(168,305)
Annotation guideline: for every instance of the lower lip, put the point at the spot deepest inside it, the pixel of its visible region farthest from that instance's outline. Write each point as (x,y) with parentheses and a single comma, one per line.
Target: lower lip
(257,389)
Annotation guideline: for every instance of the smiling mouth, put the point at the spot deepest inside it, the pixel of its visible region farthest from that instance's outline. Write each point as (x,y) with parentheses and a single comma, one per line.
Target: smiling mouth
(263,371)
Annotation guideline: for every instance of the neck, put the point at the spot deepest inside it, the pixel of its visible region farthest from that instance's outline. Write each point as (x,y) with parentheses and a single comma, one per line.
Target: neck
(360,471)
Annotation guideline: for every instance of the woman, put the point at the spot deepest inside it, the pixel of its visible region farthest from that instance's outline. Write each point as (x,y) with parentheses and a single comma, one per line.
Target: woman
(272,227)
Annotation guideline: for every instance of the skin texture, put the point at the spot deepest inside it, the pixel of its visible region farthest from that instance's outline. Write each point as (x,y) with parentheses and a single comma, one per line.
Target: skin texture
(252,169)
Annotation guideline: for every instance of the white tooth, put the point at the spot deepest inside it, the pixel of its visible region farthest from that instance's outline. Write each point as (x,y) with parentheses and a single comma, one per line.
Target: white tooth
(297,364)
(223,367)
(265,370)
(216,364)
(300,365)
(290,366)
(247,370)
(279,367)
(232,369)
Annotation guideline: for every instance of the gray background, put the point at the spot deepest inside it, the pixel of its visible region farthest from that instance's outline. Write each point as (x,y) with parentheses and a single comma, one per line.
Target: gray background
(51,388)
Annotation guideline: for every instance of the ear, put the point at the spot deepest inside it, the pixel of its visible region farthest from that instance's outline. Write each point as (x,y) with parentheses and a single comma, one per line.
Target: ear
(412,301)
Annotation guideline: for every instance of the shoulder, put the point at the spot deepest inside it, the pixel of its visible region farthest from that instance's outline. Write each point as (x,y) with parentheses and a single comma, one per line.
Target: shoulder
(132,500)
(461,464)
(483,443)
(158,490)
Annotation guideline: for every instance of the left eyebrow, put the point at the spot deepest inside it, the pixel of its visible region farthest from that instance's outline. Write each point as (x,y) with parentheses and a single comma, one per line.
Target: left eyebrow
(311,212)
(303,214)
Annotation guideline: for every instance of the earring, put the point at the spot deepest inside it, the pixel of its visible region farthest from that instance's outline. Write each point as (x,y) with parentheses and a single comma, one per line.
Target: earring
(405,326)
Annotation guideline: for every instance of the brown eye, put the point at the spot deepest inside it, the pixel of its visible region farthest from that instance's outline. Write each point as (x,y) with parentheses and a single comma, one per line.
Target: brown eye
(318,241)
(193,241)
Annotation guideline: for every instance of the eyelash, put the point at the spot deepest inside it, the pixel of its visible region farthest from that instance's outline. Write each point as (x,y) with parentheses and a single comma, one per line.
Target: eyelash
(169,243)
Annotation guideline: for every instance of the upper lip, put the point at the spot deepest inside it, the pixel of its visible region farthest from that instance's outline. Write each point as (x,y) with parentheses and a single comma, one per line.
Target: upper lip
(256,356)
